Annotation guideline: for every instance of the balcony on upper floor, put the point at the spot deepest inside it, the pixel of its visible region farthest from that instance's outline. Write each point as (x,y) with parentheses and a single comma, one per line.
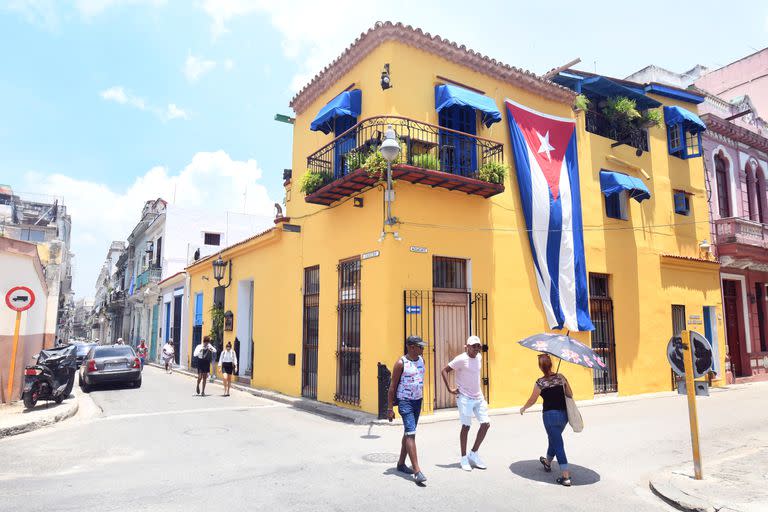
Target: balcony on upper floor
(622,133)
(741,243)
(149,276)
(430,155)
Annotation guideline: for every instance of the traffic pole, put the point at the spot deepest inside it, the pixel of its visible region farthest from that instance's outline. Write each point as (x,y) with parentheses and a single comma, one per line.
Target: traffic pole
(13,355)
(691,392)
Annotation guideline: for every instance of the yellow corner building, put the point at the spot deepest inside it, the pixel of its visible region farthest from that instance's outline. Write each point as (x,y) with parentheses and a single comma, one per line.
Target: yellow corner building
(325,299)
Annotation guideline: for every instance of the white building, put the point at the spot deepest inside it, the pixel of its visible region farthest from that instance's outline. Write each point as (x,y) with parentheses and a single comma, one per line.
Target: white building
(163,243)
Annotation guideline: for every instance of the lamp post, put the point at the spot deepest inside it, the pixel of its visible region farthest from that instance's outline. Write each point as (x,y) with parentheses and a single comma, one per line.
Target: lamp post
(390,148)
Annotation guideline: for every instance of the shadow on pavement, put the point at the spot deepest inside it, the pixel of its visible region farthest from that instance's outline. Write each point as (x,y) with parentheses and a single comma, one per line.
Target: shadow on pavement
(46,405)
(449,466)
(409,478)
(533,470)
(109,386)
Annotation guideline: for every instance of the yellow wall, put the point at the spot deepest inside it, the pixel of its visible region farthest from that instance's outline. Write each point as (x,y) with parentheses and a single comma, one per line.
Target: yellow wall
(488,232)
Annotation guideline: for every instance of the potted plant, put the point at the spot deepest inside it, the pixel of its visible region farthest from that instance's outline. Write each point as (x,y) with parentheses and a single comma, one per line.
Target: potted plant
(492,172)
(581,103)
(426,161)
(313,181)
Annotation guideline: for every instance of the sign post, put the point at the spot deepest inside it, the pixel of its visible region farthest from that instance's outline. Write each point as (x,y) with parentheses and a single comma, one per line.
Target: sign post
(19,298)
(691,392)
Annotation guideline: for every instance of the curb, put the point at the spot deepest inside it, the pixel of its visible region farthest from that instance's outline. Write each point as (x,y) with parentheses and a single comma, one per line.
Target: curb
(674,497)
(40,423)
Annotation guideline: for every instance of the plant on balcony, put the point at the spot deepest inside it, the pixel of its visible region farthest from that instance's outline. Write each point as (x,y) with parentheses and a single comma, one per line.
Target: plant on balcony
(312,181)
(492,172)
(621,110)
(581,102)
(356,159)
(650,118)
(426,161)
(376,166)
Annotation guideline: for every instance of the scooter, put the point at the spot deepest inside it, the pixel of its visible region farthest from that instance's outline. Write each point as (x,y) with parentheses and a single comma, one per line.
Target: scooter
(52,378)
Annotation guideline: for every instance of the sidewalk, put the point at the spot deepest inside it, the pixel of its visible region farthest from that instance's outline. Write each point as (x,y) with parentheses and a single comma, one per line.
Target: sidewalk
(14,419)
(733,483)
(364,418)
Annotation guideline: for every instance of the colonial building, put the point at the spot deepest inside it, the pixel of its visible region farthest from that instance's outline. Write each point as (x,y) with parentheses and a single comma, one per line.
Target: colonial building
(46,224)
(107,296)
(735,149)
(464,241)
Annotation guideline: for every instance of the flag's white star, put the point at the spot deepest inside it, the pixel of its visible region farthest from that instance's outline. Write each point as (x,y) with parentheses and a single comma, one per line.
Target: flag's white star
(545,147)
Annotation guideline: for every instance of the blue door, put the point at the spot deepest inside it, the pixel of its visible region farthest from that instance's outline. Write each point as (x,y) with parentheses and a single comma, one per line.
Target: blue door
(343,145)
(458,153)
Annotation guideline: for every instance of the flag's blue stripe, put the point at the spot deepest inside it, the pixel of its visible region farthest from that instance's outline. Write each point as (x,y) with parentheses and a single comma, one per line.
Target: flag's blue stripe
(580,267)
(553,256)
(523,168)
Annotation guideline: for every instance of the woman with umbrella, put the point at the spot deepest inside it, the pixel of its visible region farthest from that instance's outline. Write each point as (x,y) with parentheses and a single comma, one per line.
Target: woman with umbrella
(553,388)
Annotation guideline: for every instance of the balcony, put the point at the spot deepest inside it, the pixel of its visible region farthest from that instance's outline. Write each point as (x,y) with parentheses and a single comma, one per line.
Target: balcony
(149,276)
(741,243)
(601,125)
(430,155)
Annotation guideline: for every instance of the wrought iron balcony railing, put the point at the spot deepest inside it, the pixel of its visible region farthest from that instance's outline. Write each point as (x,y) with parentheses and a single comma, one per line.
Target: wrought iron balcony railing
(151,275)
(601,125)
(436,150)
(741,231)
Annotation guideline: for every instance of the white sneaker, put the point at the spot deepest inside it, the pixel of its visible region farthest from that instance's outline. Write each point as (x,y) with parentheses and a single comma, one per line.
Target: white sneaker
(465,464)
(476,461)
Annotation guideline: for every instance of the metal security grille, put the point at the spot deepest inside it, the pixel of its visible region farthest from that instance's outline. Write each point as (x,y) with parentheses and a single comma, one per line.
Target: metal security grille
(348,353)
(449,273)
(310,332)
(603,337)
(678,325)
(420,320)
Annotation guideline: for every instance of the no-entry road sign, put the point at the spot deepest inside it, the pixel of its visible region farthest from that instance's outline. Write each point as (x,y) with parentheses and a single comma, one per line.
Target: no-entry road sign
(19,298)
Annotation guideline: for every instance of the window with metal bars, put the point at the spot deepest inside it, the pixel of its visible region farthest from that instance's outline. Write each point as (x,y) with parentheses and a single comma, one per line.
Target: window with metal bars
(603,337)
(449,273)
(310,332)
(348,353)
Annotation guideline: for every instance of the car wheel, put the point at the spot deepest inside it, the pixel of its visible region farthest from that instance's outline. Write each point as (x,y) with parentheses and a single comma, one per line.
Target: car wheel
(86,387)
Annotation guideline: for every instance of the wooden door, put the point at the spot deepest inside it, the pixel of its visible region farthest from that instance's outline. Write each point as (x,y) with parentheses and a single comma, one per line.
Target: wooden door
(451,331)
(732,331)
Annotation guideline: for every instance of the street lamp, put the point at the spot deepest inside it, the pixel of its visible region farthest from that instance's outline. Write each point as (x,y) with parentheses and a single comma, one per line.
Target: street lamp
(219,266)
(390,149)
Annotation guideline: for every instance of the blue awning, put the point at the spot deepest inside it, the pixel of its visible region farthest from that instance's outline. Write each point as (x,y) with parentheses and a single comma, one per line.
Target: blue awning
(347,103)
(677,115)
(604,88)
(451,95)
(615,183)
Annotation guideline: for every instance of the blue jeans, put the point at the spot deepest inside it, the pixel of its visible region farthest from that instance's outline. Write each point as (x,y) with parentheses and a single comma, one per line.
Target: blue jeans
(409,410)
(554,423)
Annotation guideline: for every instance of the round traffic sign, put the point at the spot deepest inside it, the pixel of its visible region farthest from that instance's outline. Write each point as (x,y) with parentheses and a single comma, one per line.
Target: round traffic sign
(702,355)
(19,298)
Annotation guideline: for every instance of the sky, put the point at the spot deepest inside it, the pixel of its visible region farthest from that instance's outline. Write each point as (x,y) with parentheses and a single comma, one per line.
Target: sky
(105,104)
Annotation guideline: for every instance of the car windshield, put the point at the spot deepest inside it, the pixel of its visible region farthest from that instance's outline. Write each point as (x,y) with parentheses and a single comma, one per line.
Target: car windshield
(83,349)
(112,351)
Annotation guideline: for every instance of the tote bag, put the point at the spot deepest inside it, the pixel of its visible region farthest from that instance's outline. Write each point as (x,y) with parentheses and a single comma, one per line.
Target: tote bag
(574,416)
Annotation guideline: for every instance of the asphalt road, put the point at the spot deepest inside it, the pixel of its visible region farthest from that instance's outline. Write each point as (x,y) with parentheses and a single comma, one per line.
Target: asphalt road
(161,448)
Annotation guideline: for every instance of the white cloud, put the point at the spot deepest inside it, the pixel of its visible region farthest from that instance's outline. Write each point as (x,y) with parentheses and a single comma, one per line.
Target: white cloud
(195,67)
(118,94)
(37,12)
(174,112)
(91,8)
(211,181)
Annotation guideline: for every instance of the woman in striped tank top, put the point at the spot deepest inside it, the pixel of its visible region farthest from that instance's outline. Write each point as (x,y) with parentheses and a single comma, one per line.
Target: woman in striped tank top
(408,386)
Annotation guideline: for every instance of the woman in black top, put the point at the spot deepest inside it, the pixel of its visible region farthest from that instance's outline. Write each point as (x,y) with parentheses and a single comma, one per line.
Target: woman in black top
(553,388)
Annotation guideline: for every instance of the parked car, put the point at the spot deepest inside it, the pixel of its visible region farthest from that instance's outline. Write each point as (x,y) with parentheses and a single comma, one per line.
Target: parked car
(82,350)
(110,363)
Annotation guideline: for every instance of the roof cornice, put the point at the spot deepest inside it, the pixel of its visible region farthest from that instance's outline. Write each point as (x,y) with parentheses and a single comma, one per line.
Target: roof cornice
(735,132)
(406,34)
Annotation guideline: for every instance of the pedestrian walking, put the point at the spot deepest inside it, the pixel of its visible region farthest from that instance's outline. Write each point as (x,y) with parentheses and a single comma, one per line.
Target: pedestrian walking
(228,366)
(205,353)
(142,352)
(469,399)
(119,341)
(553,388)
(168,353)
(407,386)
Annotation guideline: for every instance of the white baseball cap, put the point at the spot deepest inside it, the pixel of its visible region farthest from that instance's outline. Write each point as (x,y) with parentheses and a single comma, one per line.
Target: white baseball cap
(474,340)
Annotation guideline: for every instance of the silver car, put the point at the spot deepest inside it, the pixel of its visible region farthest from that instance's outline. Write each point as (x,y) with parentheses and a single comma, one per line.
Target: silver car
(110,363)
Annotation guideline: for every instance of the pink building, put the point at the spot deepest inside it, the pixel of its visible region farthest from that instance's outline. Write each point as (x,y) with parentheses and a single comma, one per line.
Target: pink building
(745,77)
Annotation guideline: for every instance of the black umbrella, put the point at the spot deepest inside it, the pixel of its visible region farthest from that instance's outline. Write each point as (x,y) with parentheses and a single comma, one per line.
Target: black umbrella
(566,348)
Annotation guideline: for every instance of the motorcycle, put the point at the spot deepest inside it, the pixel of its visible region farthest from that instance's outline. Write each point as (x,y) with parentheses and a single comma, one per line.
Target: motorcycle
(52,377)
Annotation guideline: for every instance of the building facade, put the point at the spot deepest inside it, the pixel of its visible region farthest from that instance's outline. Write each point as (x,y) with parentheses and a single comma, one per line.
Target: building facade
(329,294)
(735,153)
(46,224)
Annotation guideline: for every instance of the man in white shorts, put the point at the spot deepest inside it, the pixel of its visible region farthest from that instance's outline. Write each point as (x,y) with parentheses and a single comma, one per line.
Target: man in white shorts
(469,399)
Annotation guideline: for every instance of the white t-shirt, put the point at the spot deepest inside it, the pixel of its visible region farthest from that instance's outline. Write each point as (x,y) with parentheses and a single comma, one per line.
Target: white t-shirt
(468,375)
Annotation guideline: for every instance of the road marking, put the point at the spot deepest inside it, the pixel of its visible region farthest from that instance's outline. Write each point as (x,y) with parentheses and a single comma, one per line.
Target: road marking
(190,411)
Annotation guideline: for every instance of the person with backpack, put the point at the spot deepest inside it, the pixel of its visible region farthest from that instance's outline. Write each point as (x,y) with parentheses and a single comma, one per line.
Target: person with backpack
(205,353)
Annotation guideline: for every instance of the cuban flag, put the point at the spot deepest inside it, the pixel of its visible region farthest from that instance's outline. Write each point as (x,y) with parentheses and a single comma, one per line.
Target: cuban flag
(546,160)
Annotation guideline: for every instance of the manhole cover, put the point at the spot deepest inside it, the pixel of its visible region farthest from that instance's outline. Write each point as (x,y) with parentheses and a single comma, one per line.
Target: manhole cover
(381,458)
(206,431)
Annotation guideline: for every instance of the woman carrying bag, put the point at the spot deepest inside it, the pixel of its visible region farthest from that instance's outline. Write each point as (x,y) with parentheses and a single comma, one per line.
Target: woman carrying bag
(228,366)
(555,391)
